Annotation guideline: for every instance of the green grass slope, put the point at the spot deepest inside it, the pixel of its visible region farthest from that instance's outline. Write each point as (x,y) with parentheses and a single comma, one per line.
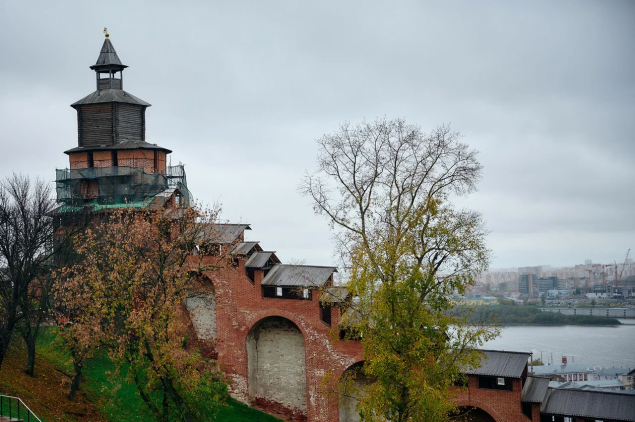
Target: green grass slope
(114,400)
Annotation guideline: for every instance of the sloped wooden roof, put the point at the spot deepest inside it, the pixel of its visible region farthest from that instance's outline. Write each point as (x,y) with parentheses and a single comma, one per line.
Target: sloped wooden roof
(108,58)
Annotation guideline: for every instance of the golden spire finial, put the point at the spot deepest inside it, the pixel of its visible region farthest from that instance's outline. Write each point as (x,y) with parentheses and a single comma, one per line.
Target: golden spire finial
(106,32)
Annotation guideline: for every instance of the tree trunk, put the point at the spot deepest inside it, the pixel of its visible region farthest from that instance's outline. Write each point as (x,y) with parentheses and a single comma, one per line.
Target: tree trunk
(31,342)
(166,410)
(6,332)
(146,398)
(77,379)
(5,340)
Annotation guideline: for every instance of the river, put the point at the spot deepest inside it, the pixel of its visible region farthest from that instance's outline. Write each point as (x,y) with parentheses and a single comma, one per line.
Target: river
(589,345)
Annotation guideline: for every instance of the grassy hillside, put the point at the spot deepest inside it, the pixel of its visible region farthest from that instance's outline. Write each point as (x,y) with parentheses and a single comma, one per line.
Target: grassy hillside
(100,399)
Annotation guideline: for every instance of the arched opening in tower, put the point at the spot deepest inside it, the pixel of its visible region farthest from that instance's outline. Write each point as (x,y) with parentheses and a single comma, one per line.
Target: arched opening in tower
(276,363)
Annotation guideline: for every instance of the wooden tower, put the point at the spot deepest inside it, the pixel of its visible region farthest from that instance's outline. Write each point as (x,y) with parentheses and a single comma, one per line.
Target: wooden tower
(113,165)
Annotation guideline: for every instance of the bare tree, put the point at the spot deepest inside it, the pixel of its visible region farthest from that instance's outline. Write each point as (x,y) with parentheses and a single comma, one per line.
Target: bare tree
(26,234)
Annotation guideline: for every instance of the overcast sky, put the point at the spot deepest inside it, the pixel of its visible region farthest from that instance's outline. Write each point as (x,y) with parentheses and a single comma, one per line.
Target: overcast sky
(241,90)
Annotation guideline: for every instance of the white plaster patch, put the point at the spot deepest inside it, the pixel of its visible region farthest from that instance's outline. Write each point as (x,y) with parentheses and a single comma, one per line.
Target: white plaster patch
(276,354)
(203,315)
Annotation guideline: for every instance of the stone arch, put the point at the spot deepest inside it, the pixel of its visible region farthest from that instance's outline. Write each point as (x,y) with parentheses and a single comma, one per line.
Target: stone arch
(352,386)
(276,363)
(202,310)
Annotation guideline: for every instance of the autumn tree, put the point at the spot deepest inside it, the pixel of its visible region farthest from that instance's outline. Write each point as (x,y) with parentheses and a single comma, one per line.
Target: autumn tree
(126,294)
(26,252)
(386,189)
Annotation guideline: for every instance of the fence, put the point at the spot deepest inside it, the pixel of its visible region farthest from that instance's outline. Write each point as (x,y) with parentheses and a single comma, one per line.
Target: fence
(601,312)
(116,185)
(15,409)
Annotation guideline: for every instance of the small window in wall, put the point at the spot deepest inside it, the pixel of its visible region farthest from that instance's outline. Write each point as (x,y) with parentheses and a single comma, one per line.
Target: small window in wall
(493,383)
(286,293)
(325,313)
(91,163)
(250,274)
(568,419)
(348,333)
(268,291)
(526,408)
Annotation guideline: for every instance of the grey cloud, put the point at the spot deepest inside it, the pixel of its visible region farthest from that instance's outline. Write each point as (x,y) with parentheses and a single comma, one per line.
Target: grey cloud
(240,91)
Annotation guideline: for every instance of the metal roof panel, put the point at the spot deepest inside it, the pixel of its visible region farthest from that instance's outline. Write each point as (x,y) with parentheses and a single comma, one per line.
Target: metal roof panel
(501,364)
(298,276)
(589,404)
(258,259)
(244,248)
(535,389)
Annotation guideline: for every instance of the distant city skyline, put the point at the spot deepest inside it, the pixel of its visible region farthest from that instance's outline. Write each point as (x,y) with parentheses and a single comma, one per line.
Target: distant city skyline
(241,91)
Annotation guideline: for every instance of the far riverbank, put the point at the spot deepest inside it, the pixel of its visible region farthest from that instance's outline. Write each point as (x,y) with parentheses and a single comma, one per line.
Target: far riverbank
(518,315)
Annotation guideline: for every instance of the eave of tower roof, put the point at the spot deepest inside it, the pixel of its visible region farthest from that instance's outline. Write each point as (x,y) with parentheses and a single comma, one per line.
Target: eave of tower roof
(110,96)
(120,146)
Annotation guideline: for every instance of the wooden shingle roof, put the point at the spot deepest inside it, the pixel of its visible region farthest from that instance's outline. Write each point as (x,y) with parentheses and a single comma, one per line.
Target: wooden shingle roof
(108,58)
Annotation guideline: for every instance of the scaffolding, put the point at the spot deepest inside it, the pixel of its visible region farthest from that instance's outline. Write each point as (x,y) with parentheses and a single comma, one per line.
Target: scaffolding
(118,185)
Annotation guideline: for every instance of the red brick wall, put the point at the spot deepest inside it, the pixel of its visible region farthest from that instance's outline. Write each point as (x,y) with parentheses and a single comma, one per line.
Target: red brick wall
(535,412)
(137,158)
(502,405)
(161,159)
(78,160)
(240,305)
(102,159)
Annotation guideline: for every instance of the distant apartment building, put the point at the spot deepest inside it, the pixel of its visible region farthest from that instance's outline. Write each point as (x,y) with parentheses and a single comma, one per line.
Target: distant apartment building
(526,284)
(547,283)
(536,271)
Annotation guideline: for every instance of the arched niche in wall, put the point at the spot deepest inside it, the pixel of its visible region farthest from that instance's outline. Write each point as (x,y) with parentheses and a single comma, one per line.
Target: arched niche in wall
(202,309)
(351,388)
(474,414)
(276,363)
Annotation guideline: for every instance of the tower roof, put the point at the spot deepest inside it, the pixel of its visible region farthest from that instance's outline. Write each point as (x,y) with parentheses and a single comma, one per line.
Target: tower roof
(108,58)
(110,96)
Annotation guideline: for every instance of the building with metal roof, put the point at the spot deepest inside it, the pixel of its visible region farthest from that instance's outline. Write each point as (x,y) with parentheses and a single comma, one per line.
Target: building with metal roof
(534,389)
(565,368)
(262,259)
(609,385)
(285,275)
(247,248)
(595,405)
(497,363)
(226,233)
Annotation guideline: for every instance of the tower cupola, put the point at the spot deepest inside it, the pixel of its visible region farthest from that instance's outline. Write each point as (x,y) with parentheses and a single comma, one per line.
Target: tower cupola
(108,69)
(110,116)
